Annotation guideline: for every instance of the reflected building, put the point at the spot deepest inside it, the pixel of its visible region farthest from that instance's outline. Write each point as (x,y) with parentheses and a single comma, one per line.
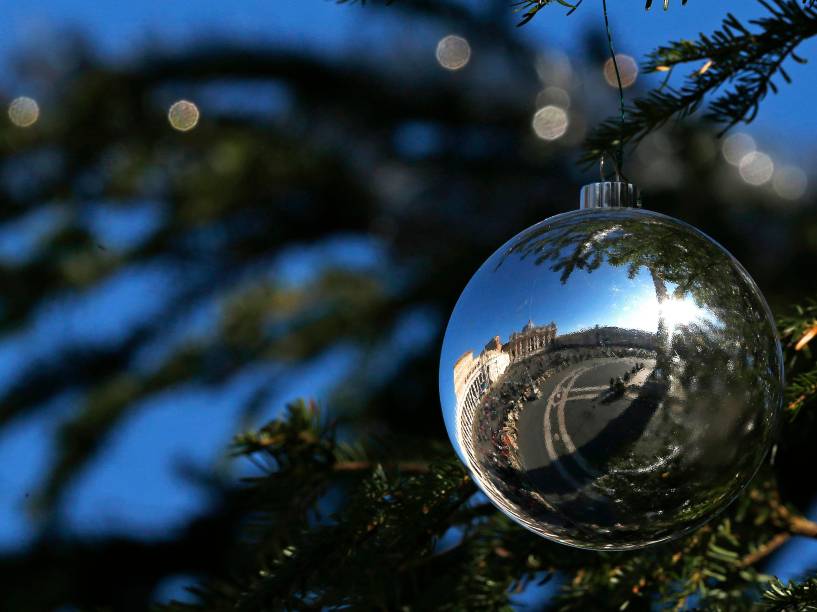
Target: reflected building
(608,336)
(517,407)
(474,375)
(531,340)
(523,361)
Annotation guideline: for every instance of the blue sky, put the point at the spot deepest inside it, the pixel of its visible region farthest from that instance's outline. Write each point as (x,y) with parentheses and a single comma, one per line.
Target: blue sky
(158,498)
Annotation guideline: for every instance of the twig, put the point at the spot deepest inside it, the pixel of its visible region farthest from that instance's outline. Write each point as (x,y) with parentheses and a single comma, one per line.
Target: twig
(794,524)
(764,550)
(798,525)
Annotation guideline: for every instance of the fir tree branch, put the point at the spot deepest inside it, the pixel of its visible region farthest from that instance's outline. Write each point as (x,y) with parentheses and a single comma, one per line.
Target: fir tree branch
(764,550)
(715,564)
(385,529)
(747,61)
(798,330)
(797,524)
(794,524)
(791,596)
(531,8)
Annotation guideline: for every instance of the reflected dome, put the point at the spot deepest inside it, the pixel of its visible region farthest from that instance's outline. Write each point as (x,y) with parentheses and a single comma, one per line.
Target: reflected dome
(611,378)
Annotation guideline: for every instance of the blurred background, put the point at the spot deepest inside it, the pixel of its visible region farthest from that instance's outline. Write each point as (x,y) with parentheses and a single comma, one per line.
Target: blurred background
(209,209)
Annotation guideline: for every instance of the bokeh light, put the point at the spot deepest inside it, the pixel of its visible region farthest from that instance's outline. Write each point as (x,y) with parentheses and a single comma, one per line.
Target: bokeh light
(24,111)
(183,115)
(553,95)
(554,68)
(627,68)
(790,182)
(550,122)
(756,168)
(737,146)
(453,52)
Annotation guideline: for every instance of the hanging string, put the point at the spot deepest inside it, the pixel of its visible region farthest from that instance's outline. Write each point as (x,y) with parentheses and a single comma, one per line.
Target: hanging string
(619,158)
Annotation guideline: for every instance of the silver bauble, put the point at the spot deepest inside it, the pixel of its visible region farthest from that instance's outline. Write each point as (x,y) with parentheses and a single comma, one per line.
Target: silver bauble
(611,377)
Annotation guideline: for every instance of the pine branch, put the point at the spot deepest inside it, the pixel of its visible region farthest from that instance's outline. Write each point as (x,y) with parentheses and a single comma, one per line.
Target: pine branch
(801,389)
(794,524)
(530,8)
(716,565)
(745,61)
(791,596)
(392,509)
(325,566)
(377,548)
(800,329)
(765,549)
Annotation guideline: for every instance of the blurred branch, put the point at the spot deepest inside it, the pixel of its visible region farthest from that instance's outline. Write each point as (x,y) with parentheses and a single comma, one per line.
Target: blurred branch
(794,524)
(764,550)
(100,571)
(797,524)
(408,467)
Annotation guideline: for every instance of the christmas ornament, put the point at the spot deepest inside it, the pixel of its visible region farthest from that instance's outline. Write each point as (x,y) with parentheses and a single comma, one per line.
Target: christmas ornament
(611,377)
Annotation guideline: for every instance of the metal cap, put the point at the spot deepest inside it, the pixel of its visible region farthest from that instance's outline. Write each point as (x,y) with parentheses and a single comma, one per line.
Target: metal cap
(610,194)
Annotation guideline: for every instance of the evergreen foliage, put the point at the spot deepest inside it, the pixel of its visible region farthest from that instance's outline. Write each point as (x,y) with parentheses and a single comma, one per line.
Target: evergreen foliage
(382,548)
(800,328)
(791,596)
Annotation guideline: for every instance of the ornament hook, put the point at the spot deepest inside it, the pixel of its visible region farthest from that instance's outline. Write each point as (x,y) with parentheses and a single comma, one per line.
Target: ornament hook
(610,194)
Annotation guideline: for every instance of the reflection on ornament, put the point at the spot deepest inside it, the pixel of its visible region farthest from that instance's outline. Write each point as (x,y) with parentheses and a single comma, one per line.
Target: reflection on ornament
(611,377)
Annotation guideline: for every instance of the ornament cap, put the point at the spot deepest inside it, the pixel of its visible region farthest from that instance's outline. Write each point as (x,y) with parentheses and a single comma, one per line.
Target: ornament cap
(610,194)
